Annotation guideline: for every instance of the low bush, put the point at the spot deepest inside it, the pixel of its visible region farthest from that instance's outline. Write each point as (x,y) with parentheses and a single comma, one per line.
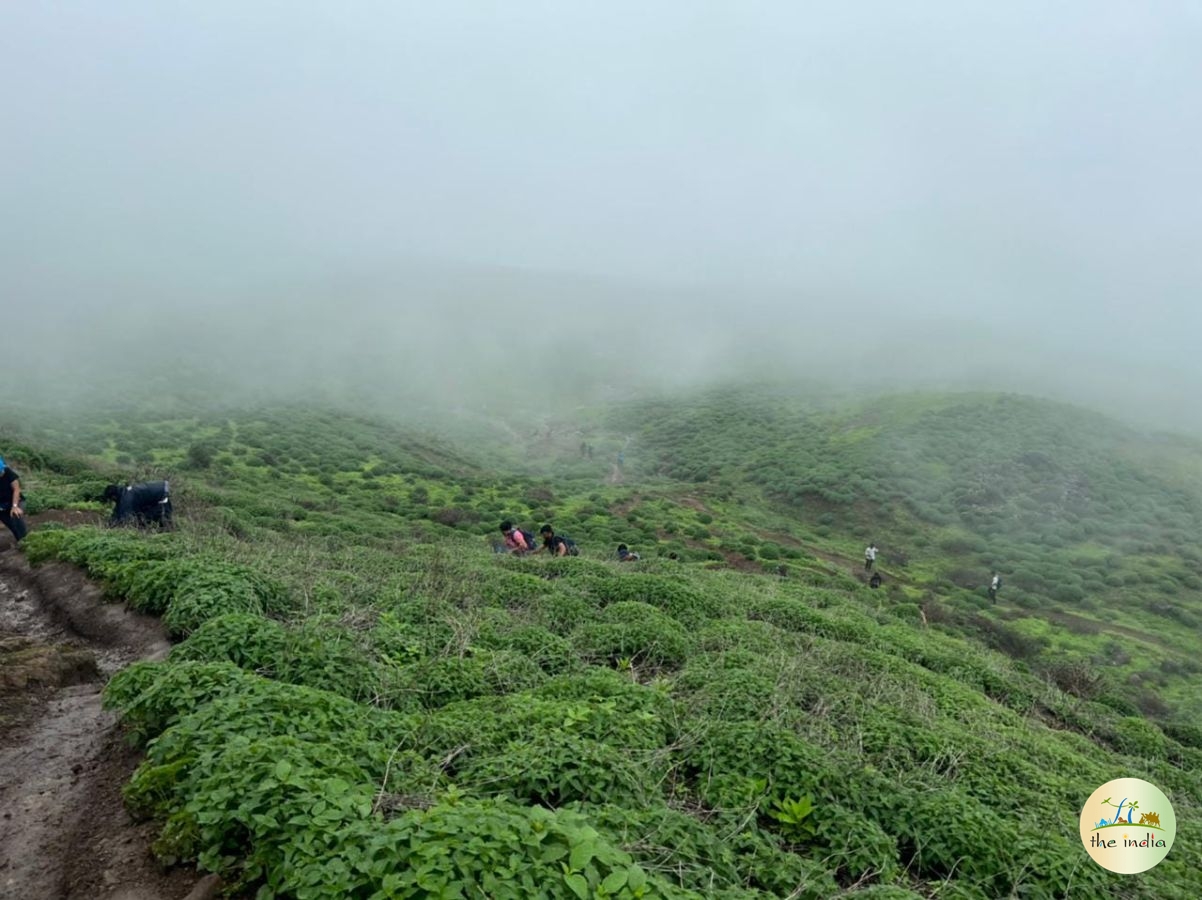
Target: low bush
(633,632)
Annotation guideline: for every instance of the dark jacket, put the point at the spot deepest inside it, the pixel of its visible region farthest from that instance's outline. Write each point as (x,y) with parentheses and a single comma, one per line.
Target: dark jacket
(143,504)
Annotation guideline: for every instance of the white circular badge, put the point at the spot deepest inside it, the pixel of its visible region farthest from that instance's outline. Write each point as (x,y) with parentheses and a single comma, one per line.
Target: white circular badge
(1128,825)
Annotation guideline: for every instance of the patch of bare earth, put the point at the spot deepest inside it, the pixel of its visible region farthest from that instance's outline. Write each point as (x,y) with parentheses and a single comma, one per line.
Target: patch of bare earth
(64,831)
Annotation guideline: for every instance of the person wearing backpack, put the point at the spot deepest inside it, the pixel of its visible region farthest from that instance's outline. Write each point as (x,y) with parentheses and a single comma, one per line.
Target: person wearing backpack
(144,504)
(625,554)
(995,586)
(517,541)
(12,514)
(557,544)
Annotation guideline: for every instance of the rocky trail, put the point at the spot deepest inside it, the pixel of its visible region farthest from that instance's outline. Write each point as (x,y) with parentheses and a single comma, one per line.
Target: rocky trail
(64,831)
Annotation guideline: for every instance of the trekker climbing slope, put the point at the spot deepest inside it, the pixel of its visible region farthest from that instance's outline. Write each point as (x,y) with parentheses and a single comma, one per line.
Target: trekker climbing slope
(12,514)
(556,544)
(143,504)
(517,541)
(869,557)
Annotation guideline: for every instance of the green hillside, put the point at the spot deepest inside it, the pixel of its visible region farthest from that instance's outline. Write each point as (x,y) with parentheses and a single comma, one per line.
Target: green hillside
(367,702)
(1091,524)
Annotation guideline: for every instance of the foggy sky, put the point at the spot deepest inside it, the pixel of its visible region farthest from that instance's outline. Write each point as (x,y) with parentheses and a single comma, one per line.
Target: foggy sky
(948,191)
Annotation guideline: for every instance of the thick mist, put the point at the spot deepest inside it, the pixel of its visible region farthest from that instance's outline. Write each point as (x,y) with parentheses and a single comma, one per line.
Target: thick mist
(470,205)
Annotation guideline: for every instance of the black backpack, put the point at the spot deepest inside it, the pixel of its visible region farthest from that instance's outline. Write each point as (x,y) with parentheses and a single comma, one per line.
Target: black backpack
(528,538)
(573,550)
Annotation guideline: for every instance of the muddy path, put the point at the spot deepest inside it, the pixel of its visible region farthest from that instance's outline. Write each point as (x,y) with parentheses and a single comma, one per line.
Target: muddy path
(64,832)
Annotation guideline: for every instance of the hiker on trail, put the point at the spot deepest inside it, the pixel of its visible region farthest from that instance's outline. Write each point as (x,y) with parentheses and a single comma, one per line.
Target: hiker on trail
(143,504)
(875,581)
(869,557)
(995,586)
(12,514)
(517,541)
(557,544)
(626,555)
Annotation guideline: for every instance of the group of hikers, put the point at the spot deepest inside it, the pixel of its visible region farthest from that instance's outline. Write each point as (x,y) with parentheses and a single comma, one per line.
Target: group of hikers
(149,503)
(144,504)
(869,562)
(874,582)
(523,543)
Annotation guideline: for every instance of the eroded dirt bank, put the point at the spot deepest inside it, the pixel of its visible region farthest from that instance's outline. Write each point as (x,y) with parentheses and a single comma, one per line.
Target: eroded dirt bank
(64,832)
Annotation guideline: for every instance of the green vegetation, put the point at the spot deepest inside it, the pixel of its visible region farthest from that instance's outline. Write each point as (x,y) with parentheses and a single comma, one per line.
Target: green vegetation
(366,702)
(1092,526)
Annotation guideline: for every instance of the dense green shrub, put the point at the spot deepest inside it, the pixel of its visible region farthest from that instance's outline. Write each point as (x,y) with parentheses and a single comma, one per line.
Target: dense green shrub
(247,640)
(753,635)
(677,598)
(629,716)
(323,655)
(1138,737)
(670,840)
(151,696)
(732,687)
(550,652)
(209,591)
(551,766)
(114,556)
(635,632)
(797,616)
(559,612)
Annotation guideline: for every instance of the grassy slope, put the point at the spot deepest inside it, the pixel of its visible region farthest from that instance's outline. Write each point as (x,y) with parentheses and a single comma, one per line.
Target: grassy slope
(354,651)
(1092,525)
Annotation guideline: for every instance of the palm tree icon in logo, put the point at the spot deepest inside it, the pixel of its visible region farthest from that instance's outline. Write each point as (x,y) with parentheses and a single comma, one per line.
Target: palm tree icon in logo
(1118,816)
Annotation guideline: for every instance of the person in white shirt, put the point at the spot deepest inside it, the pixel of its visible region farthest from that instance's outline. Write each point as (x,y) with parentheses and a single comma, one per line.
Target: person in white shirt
(995,586)
(869,557)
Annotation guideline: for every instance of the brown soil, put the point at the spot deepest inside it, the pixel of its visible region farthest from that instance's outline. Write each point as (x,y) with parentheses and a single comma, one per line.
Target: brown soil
(64,832)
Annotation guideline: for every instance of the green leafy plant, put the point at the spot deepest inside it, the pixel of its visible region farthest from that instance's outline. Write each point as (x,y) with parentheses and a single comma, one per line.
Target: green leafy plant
(793,816)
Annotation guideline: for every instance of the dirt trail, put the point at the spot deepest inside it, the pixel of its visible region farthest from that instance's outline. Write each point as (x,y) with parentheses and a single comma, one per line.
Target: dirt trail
(64,832)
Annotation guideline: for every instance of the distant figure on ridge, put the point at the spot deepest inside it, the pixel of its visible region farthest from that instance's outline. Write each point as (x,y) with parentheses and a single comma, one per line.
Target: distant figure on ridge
(625,554)
(995,586)
(12,514)
(869,557)
(143,504)
(517,542)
